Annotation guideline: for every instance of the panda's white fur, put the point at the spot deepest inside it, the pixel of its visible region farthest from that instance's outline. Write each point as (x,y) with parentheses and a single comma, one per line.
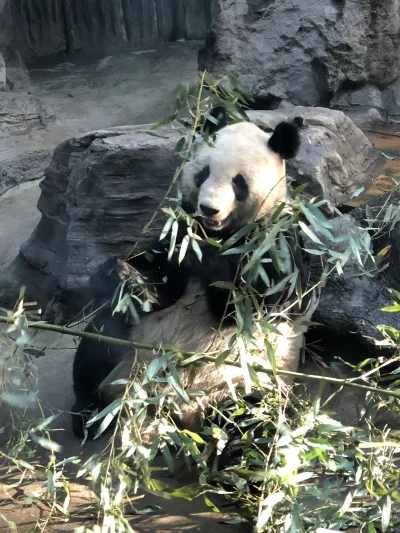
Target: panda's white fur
(188,324)
(243,149)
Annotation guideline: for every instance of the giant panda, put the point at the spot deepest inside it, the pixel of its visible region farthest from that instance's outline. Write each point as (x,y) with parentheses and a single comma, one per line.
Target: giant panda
(238,179)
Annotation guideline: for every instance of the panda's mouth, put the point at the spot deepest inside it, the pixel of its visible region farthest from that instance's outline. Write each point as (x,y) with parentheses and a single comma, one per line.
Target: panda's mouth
(216,225)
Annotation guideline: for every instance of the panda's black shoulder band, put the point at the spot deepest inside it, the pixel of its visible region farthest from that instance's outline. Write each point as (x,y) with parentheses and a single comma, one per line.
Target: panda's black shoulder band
(285,139)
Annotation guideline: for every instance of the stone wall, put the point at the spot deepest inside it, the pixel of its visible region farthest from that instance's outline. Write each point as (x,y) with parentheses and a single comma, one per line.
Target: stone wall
(46,27)
(311,53)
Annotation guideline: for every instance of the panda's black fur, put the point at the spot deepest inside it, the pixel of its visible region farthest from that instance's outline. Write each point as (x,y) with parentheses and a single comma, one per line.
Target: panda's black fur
(95,360)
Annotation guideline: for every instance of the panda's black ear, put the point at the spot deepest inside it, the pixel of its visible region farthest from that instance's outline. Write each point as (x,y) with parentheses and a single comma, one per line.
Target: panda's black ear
(285,139)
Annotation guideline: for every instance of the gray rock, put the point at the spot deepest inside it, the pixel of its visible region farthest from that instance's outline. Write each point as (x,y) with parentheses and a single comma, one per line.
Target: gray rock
(98,193)
(335,158)
(304,51)
(392,101)
(16,168)
(20,111)
(365,106)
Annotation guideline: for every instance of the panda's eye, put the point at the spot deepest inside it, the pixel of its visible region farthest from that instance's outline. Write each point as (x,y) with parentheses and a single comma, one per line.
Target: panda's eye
(240,188)
(201,176)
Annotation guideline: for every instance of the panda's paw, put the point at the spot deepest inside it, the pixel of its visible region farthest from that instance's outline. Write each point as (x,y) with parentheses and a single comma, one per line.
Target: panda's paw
(108,277)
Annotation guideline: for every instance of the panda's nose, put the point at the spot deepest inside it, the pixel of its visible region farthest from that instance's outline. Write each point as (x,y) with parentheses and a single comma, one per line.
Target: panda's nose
(209,211)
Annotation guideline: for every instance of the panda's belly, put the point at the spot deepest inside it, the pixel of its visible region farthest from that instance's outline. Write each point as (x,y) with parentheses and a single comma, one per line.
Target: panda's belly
(187,325)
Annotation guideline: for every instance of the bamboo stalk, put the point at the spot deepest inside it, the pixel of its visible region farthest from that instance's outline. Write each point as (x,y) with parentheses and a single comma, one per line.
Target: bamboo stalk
(207,358)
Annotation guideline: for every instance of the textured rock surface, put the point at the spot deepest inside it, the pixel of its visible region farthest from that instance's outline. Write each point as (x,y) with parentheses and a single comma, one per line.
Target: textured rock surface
(391,97)
(55,26)
(25,142)
(305,51)
(98,193)
(364,106)
(335,158)
(102,188)
(20,168)
(21,111)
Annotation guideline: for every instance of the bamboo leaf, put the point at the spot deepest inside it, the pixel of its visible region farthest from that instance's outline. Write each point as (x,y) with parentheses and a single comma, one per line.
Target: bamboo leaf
(111,408)
(279,286)
(165,122)
(213,242)
(166,228)
(184,247)
(301,188)
(194,436)
(236,251)
(391,308)
(174,381)
(239,235)
(197,249)
(174,233)
(314,252)
(386,511)
(224,285)
(309,233)
(179,145)
(271,355)
(357,192)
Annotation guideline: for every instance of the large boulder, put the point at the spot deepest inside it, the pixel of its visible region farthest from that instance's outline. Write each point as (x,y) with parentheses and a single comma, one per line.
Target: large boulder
(101,189)
(335,158)
(305,51)
(97,195)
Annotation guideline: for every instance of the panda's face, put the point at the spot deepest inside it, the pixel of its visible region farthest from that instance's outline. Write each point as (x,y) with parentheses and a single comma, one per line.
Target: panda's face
(242,177)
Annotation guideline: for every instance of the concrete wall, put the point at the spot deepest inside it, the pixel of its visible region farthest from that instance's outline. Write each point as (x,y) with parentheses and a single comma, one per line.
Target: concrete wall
(44,27)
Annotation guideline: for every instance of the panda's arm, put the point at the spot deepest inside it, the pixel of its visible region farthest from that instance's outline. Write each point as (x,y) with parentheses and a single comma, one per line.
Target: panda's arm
(165,277)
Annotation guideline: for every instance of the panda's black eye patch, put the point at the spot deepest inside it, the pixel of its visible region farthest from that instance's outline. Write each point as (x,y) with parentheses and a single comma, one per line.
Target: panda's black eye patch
(201,176)
(240,188)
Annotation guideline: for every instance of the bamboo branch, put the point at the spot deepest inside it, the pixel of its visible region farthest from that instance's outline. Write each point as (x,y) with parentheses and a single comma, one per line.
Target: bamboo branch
(207,358)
